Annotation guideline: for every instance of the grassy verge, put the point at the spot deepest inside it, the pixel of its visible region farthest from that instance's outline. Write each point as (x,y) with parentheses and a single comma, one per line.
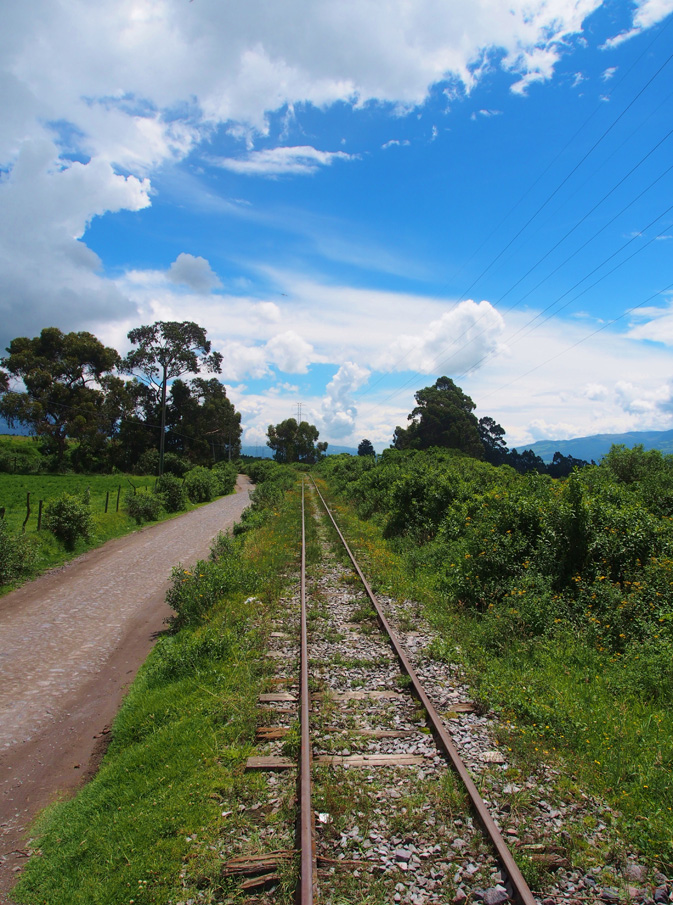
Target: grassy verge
(45,551)
(153,825)
(561,698)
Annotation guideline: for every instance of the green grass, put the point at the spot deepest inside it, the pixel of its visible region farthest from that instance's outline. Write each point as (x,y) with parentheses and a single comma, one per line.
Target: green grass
(559,696)
(48,552)
(169,804)
(14,489)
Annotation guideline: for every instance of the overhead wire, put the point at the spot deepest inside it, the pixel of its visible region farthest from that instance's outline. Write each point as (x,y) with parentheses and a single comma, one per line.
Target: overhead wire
(541,207)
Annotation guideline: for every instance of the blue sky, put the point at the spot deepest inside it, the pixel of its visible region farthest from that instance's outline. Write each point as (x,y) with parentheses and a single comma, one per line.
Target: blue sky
(354,199)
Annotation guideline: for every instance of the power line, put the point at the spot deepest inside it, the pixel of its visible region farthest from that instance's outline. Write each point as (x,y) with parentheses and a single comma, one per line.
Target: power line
(370,387)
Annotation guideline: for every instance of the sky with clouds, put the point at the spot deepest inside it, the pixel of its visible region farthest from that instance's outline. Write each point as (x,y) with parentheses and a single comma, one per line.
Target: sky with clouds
(354,199)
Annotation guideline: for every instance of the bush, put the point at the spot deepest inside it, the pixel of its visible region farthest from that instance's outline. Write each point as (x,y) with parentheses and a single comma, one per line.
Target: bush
(16,555)
(225,474)
(200,485)
(142,506)
(194,591)
(148,463)
(69,518)
(175,465)
(172,493)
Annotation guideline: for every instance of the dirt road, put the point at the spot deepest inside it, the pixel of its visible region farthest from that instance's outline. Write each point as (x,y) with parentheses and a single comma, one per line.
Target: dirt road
(70,644)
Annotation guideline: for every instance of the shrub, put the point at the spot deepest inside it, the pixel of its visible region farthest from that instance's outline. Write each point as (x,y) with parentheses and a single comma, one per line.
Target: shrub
(172,493)
(148,463)
(175,465)
(16,555)
(142,506)
(69,518)
(194,591)
(224,474)
(200,485)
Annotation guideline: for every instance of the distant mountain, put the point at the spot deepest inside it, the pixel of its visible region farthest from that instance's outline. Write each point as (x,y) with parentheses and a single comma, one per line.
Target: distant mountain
(596,446)
(17,429)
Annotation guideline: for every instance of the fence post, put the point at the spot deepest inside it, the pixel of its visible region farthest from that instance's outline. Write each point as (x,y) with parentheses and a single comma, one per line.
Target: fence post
(39,516)
(25,521)
(107,500)
(119,490)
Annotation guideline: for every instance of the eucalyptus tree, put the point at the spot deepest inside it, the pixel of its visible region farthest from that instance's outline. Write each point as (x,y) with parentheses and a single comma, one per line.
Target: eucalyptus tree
(166,350)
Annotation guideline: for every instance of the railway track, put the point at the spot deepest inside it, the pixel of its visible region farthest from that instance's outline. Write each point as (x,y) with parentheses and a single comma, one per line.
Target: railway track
(388,811)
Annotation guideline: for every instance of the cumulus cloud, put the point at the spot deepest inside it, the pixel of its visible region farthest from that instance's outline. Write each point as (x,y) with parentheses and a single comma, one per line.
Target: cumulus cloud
(194,272)
(48,276)
(272,162)
(338,408)
(596,392)
(268,311)
(143,82)
(458,341)
(639,400)
(290,353)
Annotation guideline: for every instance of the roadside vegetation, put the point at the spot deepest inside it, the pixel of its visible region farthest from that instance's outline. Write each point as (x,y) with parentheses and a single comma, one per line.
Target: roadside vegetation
(554,594)
(152,825)
(74,516)
(172,799)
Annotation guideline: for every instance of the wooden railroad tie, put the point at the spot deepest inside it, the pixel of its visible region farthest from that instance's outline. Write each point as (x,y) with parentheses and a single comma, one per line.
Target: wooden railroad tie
(337,760)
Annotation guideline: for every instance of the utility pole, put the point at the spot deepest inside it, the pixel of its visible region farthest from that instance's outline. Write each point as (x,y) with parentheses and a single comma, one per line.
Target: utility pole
(299,405)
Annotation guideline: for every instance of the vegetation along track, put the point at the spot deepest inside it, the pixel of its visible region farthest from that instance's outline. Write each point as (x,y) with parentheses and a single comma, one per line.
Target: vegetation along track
(388,812)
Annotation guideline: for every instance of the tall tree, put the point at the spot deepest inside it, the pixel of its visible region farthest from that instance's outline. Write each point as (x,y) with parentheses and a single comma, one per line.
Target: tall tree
(492,436)
(442,417)
(203,423)
(294,442)
(62,396)
(366,448)
(166,350)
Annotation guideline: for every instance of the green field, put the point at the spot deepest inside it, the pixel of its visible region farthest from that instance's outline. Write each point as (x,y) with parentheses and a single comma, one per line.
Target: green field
(14,490)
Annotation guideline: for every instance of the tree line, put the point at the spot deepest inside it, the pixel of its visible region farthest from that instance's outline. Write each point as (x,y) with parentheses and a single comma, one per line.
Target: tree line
(132,413)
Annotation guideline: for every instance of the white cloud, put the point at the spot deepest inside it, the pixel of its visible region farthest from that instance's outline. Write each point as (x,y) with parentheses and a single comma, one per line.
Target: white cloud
(597,392)
(657,324)
(338,407)
(48,276)
(241,360)
(646,14)
(290,353)
(394,143)
(302,161)
(543,430)
(608,73)
(194,272)
(268,312)
(456,342)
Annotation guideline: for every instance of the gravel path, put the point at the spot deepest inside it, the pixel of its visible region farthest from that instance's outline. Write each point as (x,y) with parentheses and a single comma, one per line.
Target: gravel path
(70,644)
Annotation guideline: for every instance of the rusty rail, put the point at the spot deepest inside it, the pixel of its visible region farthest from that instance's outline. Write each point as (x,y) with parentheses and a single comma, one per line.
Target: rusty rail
(308,867)
(519,885)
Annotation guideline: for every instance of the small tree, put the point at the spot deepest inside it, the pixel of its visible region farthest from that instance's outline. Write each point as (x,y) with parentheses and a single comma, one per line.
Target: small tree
(68,517)
(366,449)
(166,350)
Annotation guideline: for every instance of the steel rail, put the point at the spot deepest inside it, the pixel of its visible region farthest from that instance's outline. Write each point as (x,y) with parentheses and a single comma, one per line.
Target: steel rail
(308,867)
(519,885)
